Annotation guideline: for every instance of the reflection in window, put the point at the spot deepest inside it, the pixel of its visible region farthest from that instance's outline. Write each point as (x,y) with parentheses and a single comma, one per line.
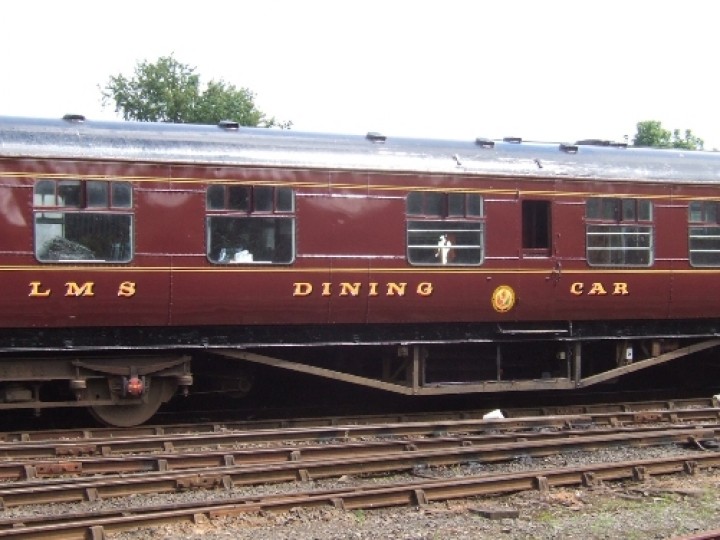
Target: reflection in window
(444,228)
(78,220)
(619,232)
(83,236)
(619,245)
(703,233)
(250,239)
(250,224)
(83,194)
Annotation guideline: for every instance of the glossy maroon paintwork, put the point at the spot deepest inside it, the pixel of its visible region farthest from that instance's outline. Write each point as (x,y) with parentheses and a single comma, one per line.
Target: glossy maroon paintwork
(350,228)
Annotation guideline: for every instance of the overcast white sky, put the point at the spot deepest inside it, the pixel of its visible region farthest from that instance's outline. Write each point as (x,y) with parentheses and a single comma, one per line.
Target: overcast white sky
(542,70)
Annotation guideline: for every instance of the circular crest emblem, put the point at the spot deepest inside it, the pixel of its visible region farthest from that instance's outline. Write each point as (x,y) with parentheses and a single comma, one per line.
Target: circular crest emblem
(503,298)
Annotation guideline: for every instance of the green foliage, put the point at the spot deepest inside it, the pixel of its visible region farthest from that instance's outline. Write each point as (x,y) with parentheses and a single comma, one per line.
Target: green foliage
(651,133)
(169,91)
(688,141)
(360,516)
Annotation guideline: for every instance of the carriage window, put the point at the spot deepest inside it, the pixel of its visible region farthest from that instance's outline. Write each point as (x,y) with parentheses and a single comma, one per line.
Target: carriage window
(704,233)
(536,228)
(83,221)
(97,194)
(444,228)
(250,224)
(619,232)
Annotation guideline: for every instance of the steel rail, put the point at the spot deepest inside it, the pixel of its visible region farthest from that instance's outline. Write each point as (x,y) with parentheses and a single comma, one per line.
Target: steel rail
(600,412)
(704,535)
(96,524)
(159,443)
(162,462)
(48,491)
(167,442)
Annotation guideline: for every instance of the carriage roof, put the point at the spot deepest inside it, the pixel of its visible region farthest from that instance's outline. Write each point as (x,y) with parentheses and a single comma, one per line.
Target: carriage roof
(229,144)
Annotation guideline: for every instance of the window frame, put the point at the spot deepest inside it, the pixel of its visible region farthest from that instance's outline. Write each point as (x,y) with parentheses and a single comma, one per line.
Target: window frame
(444,217)
(86,210)
(708,221)
(625,218)
(256,209)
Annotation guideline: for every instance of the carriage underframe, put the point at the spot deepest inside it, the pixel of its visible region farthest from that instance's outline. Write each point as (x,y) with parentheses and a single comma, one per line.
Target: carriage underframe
(126,384)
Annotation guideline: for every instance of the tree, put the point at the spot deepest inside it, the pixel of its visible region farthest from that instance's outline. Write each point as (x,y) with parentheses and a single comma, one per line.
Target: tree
(688,141)
(169,91)
(651,133)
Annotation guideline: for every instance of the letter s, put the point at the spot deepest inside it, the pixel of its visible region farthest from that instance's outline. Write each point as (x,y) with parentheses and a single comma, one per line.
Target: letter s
(127,289)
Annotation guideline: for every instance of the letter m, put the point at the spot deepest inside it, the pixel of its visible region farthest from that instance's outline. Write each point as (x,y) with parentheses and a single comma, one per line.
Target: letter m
(73,289)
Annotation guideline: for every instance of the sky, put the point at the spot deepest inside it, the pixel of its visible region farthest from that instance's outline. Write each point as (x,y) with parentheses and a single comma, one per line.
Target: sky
(546,70)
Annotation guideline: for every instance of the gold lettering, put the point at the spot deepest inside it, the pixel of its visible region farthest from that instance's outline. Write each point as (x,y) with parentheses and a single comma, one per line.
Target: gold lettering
(302,289)
(373,289)
(126,289)
(346,288)
(396,289)
(73,289)
(576,289)
(597,289)
(35,291)
(620,288)
(352,289)
(425,288)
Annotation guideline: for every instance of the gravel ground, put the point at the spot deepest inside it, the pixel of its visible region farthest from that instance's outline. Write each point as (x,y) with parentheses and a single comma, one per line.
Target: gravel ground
(662,507)
(658,509)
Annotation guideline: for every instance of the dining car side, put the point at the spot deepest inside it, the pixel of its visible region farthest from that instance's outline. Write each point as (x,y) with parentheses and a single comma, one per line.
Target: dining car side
(136,256)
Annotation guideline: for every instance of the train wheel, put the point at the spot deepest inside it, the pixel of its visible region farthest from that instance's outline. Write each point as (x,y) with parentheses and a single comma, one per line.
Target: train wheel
(159,391)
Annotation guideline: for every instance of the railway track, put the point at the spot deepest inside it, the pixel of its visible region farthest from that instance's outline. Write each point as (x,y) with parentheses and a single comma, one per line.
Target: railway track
(533,443)
(697,409)
(287,464)
(87,469)
(96,524)
(67,446)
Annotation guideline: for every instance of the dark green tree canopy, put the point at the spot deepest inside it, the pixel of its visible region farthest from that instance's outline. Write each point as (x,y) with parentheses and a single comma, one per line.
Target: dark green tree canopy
(651,133)
(169,91)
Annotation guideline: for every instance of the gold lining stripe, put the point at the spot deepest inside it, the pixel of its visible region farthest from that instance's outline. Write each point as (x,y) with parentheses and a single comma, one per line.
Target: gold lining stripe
(350,270)
(372,187)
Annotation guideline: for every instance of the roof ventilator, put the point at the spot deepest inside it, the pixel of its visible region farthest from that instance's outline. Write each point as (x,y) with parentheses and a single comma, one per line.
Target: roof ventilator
(374,136)
(485,143)
(601,142)
(228,124)
(512,140)
(74,117)
(569,148)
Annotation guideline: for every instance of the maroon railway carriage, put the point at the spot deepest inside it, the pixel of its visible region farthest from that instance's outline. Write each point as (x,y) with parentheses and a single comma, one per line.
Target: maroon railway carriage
(133,254)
